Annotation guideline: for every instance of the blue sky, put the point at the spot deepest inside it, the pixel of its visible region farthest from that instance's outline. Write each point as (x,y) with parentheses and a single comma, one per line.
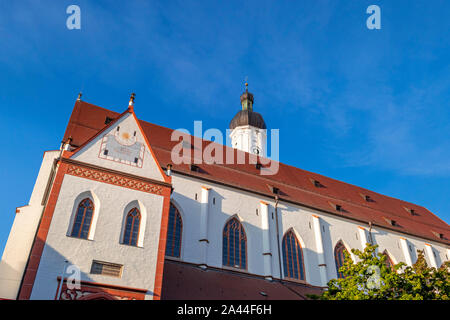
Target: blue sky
(369,107)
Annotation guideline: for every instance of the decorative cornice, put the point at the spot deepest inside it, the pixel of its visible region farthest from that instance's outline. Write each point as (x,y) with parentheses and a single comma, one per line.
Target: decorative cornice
(90,172)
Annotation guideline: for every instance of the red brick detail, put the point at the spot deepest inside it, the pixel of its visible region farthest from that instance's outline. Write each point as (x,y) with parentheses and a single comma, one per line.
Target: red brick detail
(41,236)
(95,291)
(161,248)
(114,179)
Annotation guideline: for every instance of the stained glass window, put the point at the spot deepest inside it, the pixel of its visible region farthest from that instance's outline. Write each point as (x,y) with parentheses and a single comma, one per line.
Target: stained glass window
(174,232)
(83,219)
(234,245)
(388,262)
(292,257)
(339,257)
(132,225)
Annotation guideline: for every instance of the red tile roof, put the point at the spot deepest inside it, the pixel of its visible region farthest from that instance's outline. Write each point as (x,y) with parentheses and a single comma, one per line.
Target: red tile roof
(295,185)
(185,281)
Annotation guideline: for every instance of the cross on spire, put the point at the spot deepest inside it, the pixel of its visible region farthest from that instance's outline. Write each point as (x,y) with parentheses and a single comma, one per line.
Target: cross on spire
(247,98)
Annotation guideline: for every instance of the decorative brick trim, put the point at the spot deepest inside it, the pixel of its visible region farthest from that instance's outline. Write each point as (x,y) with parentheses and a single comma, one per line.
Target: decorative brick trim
(91,291)
(161,249)
(41,236)
(112,178)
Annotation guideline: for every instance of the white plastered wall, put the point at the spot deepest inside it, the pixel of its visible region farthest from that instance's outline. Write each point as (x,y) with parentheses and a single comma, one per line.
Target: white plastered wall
(230,201)
(139,263)
(22,233)
(245,138)
(242,204)
(392,243)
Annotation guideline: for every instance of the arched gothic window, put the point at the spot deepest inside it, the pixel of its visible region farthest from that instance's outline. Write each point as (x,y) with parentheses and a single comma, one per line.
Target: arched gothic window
(339,257)
(388,262)
(234,251)
(83,219)
(132,225)
(292,257)
(174,233)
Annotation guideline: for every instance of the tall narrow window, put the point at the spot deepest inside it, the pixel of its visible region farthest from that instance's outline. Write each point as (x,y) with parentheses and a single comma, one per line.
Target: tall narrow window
(234,245)
(132,224)
(83,219)
(339,257)
(292,257)
(174,232)
(388,262)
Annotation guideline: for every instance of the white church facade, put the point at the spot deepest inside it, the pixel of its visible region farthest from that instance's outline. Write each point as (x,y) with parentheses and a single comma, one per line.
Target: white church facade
(138,226)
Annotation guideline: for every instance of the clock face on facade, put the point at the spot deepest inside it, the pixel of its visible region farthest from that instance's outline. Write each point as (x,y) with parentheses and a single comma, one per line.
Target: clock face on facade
(122,147)
(256,150)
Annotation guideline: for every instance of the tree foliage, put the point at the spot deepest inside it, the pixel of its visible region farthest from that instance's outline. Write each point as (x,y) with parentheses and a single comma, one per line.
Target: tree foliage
(370,278)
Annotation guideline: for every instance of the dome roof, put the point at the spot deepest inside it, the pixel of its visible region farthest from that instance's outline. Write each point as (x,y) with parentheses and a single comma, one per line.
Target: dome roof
(247,118)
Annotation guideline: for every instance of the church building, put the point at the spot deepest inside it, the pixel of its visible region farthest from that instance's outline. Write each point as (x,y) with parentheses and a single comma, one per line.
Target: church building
(111,207)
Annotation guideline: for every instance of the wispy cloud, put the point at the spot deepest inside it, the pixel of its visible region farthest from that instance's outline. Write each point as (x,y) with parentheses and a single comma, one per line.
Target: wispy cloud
(403,131)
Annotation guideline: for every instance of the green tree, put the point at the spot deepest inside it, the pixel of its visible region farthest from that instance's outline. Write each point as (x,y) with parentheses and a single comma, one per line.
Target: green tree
(370,278)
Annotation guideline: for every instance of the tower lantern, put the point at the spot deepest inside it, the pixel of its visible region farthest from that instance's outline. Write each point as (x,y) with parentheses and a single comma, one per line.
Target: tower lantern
(248,129)
(247,99)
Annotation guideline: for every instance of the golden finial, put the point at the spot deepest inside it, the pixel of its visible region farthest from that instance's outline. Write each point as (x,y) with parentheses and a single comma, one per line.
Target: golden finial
(246,83)
(131,103)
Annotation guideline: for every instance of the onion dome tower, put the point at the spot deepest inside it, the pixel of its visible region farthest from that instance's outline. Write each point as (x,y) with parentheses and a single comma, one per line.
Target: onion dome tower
(248,129)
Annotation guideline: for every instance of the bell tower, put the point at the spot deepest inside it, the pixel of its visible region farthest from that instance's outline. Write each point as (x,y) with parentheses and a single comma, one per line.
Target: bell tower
(248,129)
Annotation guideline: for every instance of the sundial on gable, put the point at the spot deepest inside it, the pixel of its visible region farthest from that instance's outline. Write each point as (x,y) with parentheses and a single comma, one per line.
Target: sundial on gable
(123,147)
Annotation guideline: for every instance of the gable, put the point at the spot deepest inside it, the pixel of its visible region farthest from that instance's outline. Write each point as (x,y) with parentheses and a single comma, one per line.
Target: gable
(122,146)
